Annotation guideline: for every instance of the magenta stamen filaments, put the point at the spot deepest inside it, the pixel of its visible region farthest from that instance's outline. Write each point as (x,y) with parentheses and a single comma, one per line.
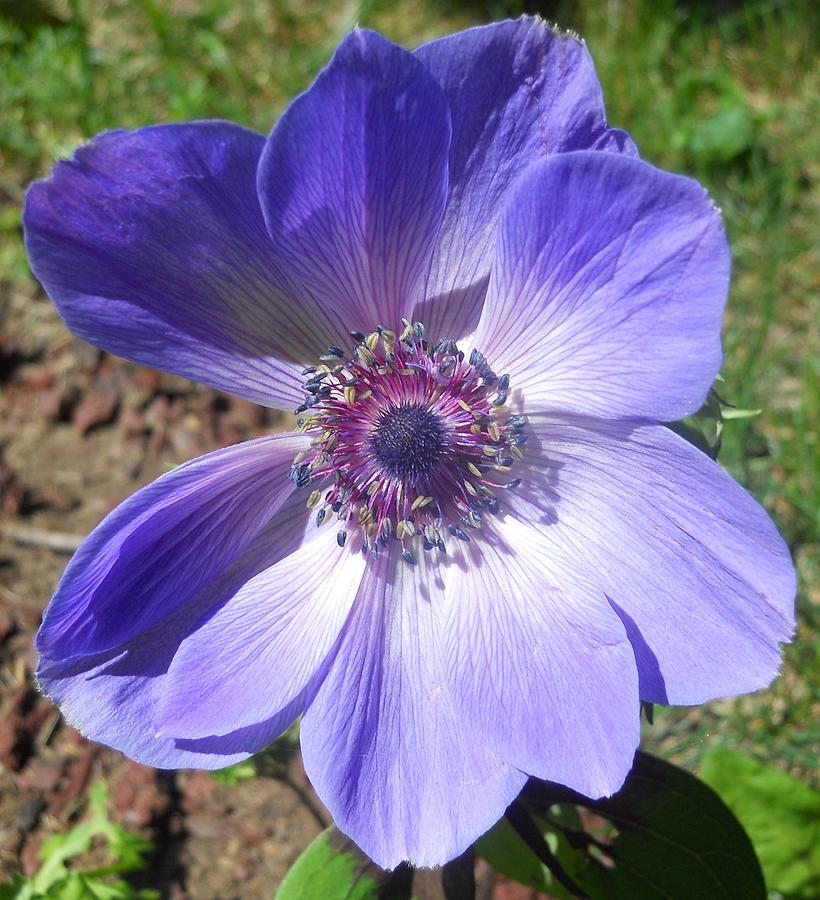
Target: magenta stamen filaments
(412,440)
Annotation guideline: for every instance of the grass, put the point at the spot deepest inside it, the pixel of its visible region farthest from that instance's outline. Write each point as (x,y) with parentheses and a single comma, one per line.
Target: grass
(724,91)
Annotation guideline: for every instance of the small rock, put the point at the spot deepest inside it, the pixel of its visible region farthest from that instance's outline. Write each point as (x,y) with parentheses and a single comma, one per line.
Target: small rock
(97,407)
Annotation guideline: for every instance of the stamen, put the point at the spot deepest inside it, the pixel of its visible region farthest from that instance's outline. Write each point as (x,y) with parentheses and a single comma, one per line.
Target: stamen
(408,438)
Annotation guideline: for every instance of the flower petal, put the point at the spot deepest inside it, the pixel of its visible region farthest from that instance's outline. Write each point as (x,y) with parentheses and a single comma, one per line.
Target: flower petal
(163,544)
(382,743)
(353,181)
(153,246)
(257,652)
(539,664)
(691,563)
(517,91)
(117,696)
(112,703)
(607,290)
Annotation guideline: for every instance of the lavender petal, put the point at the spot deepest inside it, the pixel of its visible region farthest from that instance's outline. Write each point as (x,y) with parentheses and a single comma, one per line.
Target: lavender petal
(517,91)
(608,289)
(691,563)
(353,182)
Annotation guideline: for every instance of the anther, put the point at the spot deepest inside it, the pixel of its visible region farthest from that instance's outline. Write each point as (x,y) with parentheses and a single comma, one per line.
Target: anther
(341,538)
(408,557)
(365,354)
(300,475)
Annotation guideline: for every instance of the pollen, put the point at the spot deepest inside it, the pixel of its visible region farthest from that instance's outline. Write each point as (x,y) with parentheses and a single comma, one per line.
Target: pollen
(409,438)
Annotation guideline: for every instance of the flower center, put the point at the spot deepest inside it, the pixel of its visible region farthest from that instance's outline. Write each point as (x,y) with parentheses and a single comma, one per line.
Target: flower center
(408,440)
(411,440)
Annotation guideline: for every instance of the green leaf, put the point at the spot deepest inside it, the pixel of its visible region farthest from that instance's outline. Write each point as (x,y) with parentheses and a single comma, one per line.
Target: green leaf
(55,881)
(19,889)
(703,429)
(731,412)
(507,853)
(333,868)
(675,838)
(233,775)
(726,134)
(780,813)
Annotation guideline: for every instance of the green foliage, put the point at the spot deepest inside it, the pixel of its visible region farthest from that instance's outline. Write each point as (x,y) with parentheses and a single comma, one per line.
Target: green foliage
(56,880)
(704,428)
(780,813)
(332,868)
(503,848)
(233,775)
(669,835)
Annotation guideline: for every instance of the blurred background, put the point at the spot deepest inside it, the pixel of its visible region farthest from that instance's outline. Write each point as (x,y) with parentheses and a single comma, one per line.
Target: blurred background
(728,92)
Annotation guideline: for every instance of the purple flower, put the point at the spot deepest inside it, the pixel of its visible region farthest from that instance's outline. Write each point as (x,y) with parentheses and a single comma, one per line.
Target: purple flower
(511,550)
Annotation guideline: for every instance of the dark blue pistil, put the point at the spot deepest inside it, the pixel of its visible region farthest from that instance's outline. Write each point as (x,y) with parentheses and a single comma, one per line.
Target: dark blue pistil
(408,440)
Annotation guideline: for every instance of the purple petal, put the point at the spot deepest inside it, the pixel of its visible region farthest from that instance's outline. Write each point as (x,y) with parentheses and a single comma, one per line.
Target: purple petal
(607,290)
(116,697)
(691,563)
(518,91)
(153,246)
(258,652)
(353,182)
(110,702)
(384,745)
(539,664)
(156,550)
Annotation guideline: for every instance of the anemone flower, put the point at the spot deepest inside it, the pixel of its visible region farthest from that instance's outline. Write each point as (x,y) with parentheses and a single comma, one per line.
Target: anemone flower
(479,548)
